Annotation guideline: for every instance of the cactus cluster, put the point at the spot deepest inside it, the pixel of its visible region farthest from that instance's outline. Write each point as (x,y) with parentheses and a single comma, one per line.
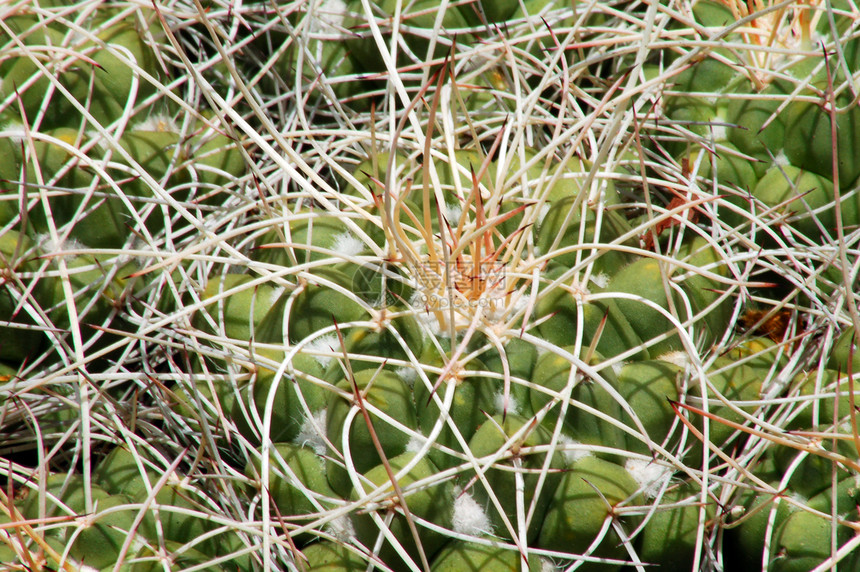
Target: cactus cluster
(768,130)
(97,163)
(428,285)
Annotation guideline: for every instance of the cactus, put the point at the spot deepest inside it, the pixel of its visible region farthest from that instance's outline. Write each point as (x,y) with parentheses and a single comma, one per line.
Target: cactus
(428,285)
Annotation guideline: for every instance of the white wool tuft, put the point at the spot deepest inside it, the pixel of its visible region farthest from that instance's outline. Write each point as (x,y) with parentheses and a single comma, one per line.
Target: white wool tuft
(415,443)
(276,294)
(157,122)
(326,343)
(720,132)
(341,528)
(453,212)
(312,433)
(407,374)
(14,130)
(328,16)
(347,244)
(780,160)
(649,475)
(469,517)
(48,244)
(600,280)
(570,451)
(544,210)
(499,403)
(678,358)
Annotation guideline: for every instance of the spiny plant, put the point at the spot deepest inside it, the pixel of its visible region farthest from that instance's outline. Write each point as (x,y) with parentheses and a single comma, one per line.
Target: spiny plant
(428,285)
